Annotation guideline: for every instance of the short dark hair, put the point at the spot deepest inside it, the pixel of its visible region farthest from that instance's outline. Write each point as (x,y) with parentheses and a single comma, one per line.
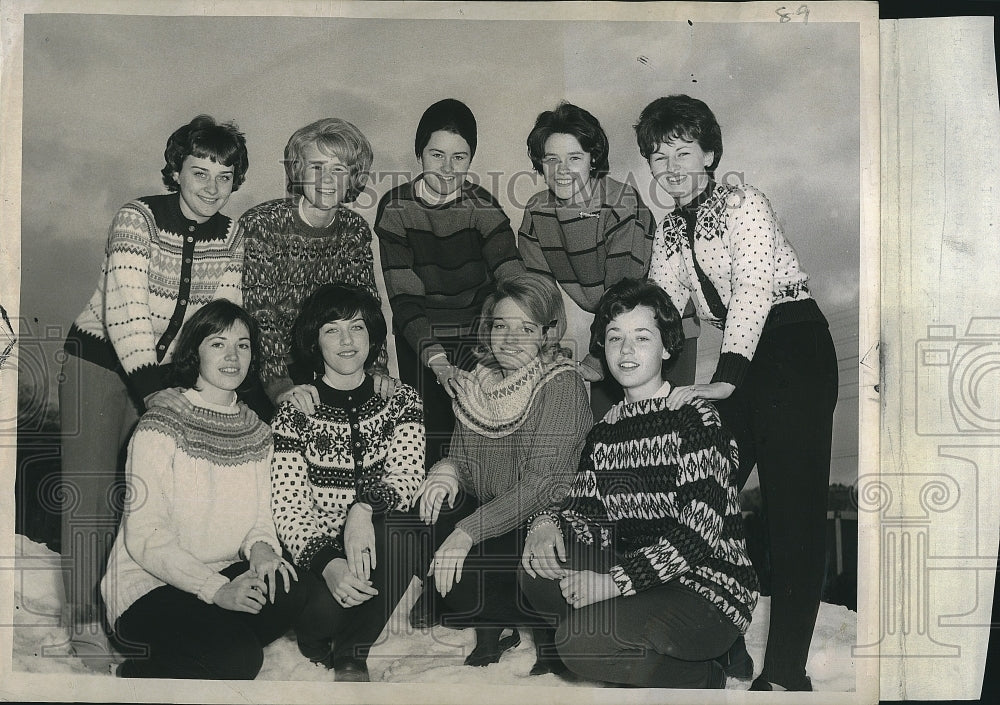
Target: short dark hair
(539,296)
(570,120)
(204,138)
(449,115)
(332,136)
(336,302)
(625,296)
(679,117)
(214,317)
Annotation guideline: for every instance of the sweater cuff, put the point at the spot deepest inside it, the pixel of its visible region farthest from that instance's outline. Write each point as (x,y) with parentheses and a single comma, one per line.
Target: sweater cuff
(206,593)
(259,537)
(323,557)
(432,350)
(146,380)
(472,527)
(276,386)
(732,368)
(622,580)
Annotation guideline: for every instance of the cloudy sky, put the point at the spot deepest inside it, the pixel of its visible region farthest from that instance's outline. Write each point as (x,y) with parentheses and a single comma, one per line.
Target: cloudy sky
(103,92)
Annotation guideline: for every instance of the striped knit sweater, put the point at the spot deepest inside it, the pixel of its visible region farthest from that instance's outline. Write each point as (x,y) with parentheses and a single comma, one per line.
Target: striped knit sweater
(200,500)
(747,260)
(356,447)
(588,248)
(656,487)
(287,260)
(159,268)
(519,473)
(441,262)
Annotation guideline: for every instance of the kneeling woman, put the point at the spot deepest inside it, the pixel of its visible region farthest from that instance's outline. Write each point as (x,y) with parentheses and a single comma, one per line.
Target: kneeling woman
(193,586)
(644,564)
(338,473)
(521,421)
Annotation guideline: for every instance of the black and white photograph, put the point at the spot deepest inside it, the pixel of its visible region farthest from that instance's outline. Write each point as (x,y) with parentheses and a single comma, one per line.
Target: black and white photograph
(385,351)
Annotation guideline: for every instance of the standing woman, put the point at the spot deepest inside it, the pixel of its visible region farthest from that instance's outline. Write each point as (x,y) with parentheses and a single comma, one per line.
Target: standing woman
(776,380)
(295,244)
(166,257)
(196,582)
(338,475)
(586,230)
(444,243)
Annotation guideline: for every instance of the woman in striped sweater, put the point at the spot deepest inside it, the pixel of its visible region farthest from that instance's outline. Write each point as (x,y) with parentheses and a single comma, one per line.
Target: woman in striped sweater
(644,566)
(166,257)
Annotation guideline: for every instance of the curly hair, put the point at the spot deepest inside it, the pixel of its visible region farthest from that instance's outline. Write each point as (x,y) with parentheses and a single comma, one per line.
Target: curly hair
(204,138)
(679,117)
(336,302)
(214,317)
(332,136)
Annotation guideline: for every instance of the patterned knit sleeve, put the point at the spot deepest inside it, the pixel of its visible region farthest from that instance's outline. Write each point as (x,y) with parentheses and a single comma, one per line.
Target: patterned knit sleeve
(666,267)
(692,515)
(499,246)
(403,287)
(549,465)
(629,237)
(126,296)
(529,246)
(231,282)
(403,469)
(263,529)
(292,501)
(261,277)
(150,532)
(356,266)
(753,232)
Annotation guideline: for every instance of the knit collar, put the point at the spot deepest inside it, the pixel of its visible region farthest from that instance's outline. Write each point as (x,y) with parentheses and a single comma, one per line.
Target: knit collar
(496,405)
(462,194)
(169,217)
(691,208)
(295,208)
(346,398)
(626,409)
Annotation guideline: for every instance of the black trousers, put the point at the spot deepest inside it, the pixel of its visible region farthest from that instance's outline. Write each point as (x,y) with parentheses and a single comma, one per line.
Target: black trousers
(782,418)
(439,419)
(326,626)
(663,637)
(184,637)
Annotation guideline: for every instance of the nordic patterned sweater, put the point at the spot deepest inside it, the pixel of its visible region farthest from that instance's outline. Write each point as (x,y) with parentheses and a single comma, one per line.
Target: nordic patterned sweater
(356,447)
(588,248)
(441,262)
(159,268)
(287,260)
(750,266)
(655,488)
(201,499)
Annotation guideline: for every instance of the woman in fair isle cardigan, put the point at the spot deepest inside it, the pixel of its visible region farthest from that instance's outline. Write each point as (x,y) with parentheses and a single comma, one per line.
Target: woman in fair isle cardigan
(775,384)
(644,566)
(166,257)
(520,425)
(338,477)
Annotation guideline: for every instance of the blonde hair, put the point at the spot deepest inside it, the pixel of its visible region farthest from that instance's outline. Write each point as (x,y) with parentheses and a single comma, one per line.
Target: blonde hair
(331,136)
(539,296)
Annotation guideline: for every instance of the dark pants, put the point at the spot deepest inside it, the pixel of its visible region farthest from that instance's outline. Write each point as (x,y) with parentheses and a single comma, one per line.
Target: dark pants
(187,638)
(487,595)
(439,419)
(782,418)
(663,637)
(326,626)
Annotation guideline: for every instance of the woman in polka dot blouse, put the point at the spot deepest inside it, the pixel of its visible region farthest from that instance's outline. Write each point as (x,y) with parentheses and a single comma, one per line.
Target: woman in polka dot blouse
(775,384)
(337,476)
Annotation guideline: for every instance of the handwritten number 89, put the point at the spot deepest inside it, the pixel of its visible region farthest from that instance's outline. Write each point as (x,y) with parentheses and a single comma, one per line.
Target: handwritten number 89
(785,15)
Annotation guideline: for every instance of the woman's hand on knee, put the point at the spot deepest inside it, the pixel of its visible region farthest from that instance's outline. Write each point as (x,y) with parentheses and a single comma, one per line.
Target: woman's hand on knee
(585,587)
(347,589)
(303,397)
(449,559)
(440,484)
(359,541)
(544,550)
(266,563)
(244,593)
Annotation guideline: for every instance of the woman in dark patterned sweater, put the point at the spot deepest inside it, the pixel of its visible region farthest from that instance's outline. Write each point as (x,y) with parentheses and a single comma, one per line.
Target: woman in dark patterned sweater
(311,237)
(776,381)
(644,565)
(337,475)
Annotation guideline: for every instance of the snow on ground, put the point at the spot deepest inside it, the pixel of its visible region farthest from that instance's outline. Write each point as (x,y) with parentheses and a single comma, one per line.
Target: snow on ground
(404,655)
